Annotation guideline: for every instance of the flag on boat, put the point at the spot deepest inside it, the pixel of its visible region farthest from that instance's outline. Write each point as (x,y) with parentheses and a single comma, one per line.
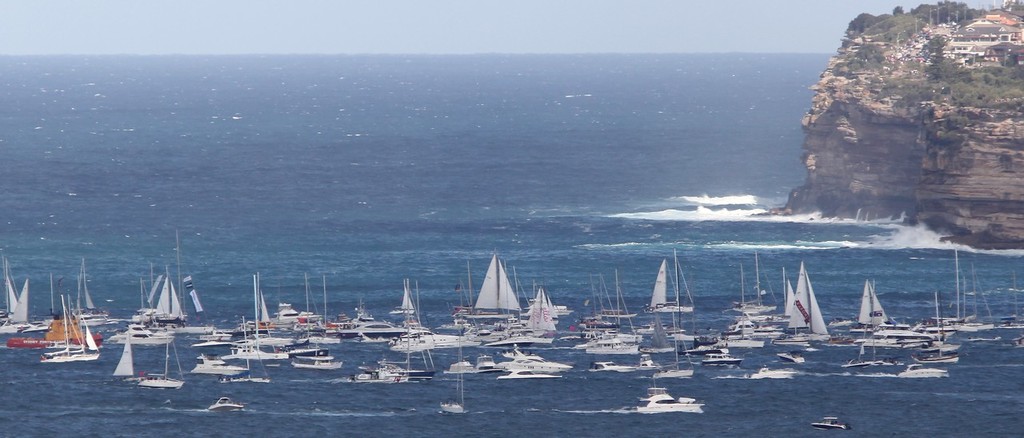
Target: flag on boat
(187,281)
(195,300)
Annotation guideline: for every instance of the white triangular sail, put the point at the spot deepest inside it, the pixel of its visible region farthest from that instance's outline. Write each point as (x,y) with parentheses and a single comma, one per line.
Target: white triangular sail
(805,312)
(496,291)
(264,315)
(89,341)
(658,297)
(789,293)
(163,305)
(126,366)
(153,291)
(12,293)
(542,313)
(21,309)
(85,289)
(176,309)
(871,312)
(407,305)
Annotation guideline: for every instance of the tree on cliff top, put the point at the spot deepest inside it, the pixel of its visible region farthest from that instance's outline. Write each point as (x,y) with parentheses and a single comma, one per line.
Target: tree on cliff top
(940,68)
(863,21)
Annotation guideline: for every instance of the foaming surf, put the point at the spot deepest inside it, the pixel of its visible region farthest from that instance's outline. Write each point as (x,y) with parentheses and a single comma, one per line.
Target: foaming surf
(920,237)
(719,200)
(734,208)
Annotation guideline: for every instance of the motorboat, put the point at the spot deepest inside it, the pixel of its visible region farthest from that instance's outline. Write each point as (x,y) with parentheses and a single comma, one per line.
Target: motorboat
(659,401)
(613,344)
(916,370)
(243,377)
(937,358)
(702,350)
(287,315)
(252,352)
(647,364)
(531,362)
(484,364)
(210,364)
(767,373)
(526,374)
(315,363)
(421,340)
(611,366)
(792,356)
(225,404)
(860,363)
(372,329)
(140,335)
(720,359)
(831,423)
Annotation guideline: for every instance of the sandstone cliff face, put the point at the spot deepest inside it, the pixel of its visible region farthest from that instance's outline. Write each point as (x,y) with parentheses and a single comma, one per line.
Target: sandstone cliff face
(957,170)
(973,186)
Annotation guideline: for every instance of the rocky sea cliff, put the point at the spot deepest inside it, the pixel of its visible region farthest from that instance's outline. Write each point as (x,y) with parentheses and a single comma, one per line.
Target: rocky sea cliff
(900,129)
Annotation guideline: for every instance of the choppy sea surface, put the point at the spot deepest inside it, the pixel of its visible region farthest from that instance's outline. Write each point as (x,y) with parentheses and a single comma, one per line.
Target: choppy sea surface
(362,171)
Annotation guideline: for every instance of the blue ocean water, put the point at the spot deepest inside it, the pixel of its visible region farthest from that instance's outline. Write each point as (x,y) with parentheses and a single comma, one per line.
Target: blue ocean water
(361,171)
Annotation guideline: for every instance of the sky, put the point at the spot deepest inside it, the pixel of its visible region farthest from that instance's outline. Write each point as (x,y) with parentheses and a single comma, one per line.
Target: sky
(159,27)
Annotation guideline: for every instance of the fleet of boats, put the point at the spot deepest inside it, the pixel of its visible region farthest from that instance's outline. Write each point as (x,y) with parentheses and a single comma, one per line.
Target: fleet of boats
(496,322)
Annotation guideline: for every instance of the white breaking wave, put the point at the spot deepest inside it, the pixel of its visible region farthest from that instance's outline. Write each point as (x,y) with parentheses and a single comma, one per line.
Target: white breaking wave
(920,237)
(799,244)
(719,200)
(723,215)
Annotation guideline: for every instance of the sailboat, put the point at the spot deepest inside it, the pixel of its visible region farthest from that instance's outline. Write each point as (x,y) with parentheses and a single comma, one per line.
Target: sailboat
(871,312)
(17,320)
(164,381)
(539,327)
(496,294)
(752,307)
(805,312)
(90,314)
(659,299)
(71,352)
(252,351)
(126,366)
(457,406)
(407,308)
(659,339)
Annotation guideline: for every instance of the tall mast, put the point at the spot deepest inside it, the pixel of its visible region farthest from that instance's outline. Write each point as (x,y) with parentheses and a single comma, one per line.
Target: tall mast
(956,260)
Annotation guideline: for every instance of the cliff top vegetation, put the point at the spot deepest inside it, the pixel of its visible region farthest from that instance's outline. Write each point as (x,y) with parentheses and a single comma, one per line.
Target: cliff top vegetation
(943,53)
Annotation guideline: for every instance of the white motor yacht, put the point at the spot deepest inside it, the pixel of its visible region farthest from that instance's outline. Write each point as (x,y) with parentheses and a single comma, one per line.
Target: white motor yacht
(916,370)
(659,401)
(720,359)
(140,335)
(612,366)
(526,374)
(210,364)
(533,363)
(766,373)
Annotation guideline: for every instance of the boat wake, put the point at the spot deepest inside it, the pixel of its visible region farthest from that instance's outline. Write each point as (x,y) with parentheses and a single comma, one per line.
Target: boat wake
(624,410)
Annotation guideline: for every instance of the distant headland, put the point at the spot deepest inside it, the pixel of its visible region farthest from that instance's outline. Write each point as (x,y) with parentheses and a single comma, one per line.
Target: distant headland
(920,116)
